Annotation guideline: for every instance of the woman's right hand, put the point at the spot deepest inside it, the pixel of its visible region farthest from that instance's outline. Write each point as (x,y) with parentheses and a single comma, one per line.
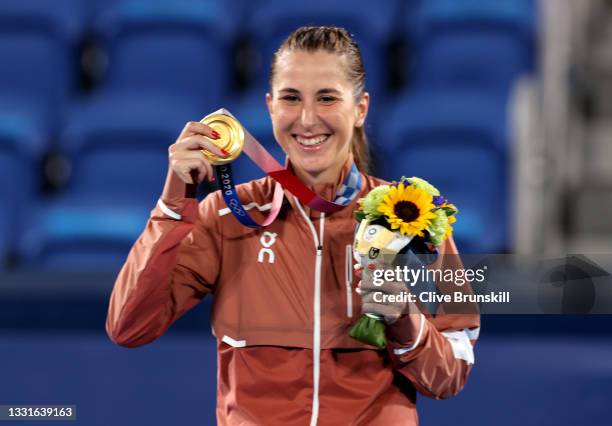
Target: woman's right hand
(184,155)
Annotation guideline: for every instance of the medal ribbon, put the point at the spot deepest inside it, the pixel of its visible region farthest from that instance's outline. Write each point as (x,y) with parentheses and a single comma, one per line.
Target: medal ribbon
(347,191)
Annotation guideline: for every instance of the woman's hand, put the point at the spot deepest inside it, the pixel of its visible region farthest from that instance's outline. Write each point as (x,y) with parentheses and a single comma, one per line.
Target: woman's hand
(185,158)
(366,288)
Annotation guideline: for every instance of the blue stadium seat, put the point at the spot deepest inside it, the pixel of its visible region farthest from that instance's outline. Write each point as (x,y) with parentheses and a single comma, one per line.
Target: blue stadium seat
(97,7)
(471,43)
(458,141)
(179,47)
(118,143)
(15,190)
(371,22)
(39,63)
(75,233)
(36,45)
(23,137)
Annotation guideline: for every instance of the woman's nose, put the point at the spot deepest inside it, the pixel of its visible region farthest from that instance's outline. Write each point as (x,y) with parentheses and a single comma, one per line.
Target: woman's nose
(308,116)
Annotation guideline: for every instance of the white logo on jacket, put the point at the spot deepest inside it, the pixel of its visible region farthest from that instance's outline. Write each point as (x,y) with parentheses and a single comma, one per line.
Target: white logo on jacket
(266,240)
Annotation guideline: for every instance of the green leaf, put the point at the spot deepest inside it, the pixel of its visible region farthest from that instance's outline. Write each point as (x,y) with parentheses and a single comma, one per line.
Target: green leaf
(359,215)
(449,211)
(371,331)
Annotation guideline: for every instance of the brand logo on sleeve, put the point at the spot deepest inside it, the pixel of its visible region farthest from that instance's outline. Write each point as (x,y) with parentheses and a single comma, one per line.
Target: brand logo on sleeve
(267,239)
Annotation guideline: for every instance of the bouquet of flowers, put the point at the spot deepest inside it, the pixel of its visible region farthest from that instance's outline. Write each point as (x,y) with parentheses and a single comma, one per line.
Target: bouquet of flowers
(411,210)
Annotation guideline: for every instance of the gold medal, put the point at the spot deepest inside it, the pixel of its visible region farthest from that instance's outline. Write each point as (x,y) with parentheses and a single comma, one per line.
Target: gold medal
(231,137)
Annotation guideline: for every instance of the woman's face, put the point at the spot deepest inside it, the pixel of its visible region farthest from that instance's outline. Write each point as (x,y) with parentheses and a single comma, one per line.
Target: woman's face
(314,112)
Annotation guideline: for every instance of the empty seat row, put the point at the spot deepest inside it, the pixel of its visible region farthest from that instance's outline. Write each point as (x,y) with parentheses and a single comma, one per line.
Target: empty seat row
(186,46)
(457,139)
(169,63)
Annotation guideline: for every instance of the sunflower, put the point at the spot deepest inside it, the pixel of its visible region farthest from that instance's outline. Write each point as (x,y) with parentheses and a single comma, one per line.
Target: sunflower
(408,209)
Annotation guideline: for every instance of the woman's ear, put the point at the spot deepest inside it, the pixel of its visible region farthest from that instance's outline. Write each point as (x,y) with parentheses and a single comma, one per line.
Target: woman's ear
(362,109)
(269,103)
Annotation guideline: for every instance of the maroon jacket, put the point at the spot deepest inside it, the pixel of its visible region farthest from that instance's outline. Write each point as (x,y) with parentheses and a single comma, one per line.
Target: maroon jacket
(284,302)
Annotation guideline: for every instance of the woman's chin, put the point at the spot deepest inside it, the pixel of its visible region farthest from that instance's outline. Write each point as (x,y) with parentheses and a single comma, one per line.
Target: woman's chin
(312,168)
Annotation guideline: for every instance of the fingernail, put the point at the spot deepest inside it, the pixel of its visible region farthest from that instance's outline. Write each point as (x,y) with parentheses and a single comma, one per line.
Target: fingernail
(215,134)
(224,152)
(212,178)
(371,266)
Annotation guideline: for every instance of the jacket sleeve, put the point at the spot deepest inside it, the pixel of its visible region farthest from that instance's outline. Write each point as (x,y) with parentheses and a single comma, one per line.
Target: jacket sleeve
(435,354)
(171,267)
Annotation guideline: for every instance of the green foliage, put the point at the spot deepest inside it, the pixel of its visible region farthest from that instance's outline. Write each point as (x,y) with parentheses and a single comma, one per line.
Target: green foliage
(438,227)
(424,185)
(370,203)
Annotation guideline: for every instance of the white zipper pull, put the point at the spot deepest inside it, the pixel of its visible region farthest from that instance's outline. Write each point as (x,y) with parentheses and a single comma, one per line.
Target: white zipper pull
(348,275)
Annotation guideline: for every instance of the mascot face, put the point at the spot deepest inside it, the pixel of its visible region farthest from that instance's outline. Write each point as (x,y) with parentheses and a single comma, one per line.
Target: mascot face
(374,240)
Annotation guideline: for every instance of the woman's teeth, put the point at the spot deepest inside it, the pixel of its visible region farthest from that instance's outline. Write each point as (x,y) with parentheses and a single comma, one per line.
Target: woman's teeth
(311,141)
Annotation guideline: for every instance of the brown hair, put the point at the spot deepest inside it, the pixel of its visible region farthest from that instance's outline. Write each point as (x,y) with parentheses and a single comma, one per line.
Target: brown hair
(339,41)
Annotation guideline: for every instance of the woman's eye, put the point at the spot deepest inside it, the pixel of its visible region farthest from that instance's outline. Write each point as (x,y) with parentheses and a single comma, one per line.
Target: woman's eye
(327,99)
(290,98)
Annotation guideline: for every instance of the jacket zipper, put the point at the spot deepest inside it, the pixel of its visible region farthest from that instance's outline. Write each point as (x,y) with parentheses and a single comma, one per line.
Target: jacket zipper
(316,350)
(316,338)
(348,274)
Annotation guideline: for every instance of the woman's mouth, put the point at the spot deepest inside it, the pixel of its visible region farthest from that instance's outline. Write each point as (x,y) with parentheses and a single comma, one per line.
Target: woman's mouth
(311,141)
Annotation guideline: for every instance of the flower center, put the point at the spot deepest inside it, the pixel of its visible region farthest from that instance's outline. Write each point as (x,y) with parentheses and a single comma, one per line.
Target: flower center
(406,210)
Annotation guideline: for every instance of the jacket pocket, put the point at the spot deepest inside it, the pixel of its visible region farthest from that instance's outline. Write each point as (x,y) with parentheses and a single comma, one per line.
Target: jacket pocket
(348,280)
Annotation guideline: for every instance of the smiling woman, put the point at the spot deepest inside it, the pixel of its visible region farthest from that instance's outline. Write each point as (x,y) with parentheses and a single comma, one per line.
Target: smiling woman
(318,103)
(315,111)
(284,296)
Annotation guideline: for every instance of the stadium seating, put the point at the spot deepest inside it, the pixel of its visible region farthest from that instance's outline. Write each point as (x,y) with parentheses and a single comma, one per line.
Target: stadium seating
(371,22)
(118,143)
(172,62)
(471,43)
(182,47)
(80,234)
(458,141)
(23,138)
(37,47)
(118,147)
(38,75)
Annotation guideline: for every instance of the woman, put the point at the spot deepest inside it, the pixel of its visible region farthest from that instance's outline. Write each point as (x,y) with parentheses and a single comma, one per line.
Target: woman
(284,298)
